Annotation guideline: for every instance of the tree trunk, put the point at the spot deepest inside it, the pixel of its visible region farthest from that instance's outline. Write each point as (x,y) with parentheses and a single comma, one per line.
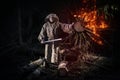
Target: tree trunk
(20,27)
(29,27)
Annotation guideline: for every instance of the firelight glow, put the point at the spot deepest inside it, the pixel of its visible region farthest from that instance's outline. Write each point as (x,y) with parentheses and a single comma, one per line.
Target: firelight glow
(92,21)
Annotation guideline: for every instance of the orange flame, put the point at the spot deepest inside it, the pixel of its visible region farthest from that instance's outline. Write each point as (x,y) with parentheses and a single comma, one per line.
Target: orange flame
(92,20)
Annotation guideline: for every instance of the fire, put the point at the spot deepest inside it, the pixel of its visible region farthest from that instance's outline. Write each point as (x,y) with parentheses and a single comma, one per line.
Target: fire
(91,19)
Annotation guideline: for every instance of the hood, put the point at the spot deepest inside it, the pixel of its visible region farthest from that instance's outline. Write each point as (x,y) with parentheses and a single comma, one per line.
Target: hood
(52,15)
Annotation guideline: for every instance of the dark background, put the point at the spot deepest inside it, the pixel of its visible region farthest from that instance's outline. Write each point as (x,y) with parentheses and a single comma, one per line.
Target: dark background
(21,21)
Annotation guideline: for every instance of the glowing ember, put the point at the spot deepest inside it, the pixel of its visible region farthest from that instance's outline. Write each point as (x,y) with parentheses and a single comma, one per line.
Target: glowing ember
(91,19)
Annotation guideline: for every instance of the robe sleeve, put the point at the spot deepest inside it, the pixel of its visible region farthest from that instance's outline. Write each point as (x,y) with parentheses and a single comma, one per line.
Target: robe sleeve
(42,34)
(67,28)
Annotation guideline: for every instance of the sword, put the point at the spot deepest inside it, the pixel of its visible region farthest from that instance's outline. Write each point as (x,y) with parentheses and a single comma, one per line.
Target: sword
(49,41)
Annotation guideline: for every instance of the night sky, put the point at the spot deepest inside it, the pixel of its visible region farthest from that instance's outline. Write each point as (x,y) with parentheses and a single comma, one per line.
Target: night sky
(34,11)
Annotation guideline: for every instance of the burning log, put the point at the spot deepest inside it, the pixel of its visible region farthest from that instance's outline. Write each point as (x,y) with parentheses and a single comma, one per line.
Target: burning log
(78,27)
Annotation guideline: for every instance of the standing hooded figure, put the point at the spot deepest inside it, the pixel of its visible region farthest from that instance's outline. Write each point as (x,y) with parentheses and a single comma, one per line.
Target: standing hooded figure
(53,29)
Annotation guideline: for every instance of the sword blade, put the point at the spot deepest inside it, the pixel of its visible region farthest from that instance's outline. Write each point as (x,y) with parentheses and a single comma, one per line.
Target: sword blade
(54,40)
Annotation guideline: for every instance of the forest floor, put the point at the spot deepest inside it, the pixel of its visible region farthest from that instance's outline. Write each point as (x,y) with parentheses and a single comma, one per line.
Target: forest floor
(87,67)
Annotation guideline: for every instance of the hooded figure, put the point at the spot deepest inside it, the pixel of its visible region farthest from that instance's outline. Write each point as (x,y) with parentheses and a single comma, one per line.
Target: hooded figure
(53,29)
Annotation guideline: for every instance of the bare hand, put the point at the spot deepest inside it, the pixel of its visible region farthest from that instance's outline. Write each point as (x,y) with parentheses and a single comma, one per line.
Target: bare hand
(42,41)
